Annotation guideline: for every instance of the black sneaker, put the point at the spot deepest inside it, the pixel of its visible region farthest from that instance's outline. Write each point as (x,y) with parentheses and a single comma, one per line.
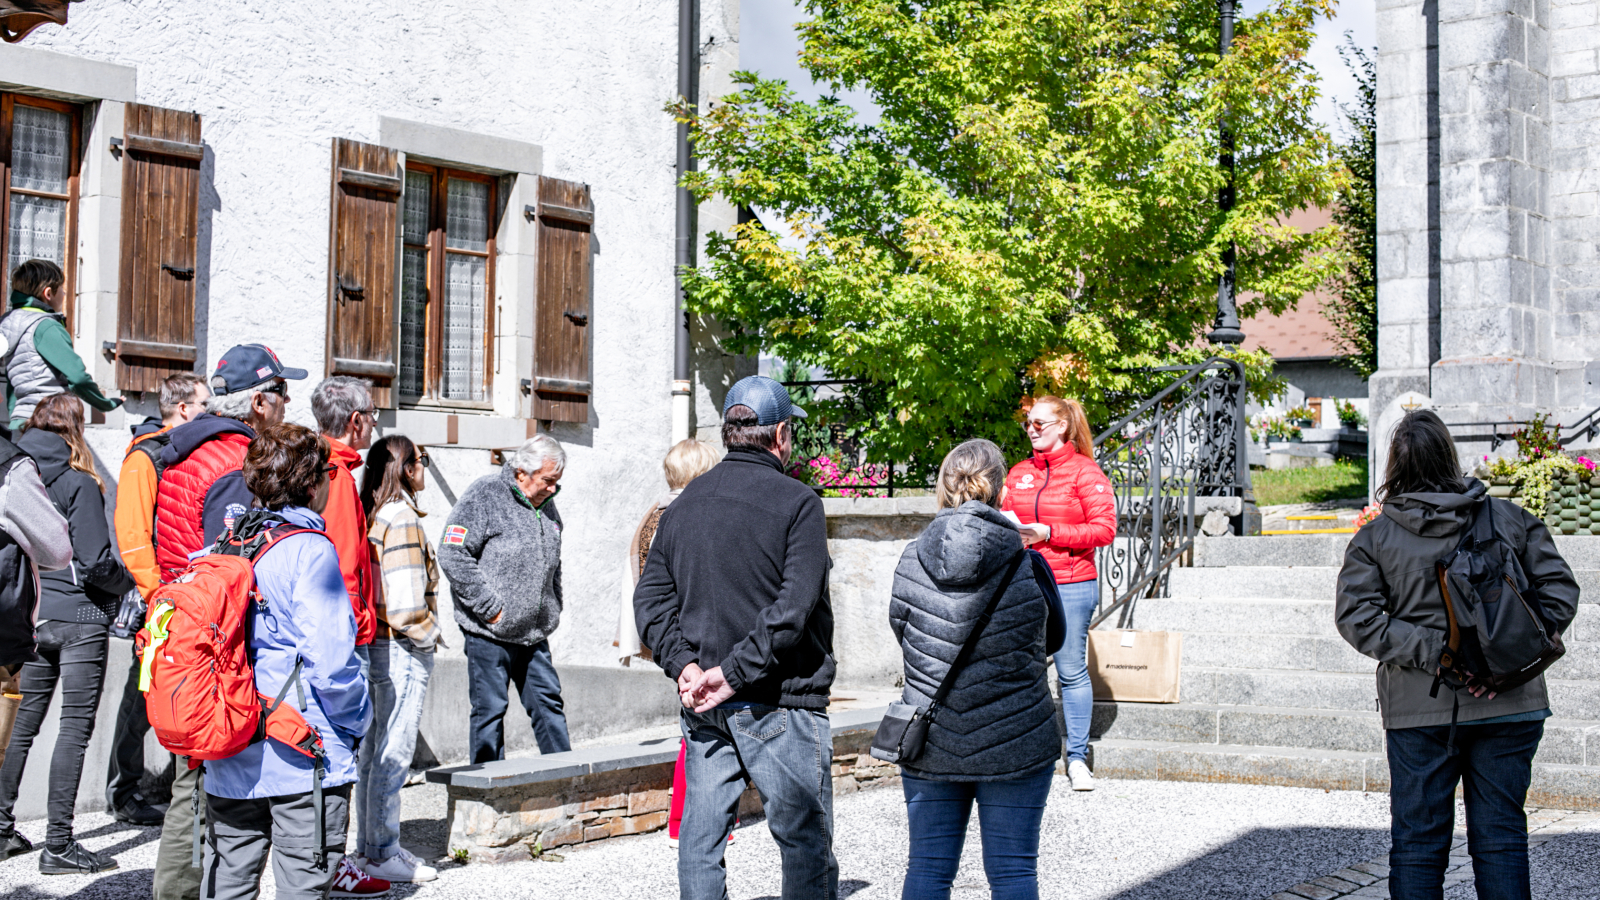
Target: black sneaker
(135,812)
(14,845)
(74,859)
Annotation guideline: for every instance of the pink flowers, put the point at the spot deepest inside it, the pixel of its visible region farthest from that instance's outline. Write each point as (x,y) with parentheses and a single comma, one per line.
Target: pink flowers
(1586,462)
(825,472)
(1368,514)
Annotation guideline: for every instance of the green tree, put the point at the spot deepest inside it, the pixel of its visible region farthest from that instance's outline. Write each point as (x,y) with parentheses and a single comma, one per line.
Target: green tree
(1035,209)
(1353,310)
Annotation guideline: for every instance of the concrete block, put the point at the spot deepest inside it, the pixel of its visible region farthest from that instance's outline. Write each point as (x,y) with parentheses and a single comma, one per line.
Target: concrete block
(1563,744)
(1168,723)
(1274,582)
(1565,787)
(464,149)
(1580,553)
(1356,732)
(1253,617)
(1257,765)
(1272,550)
(1307,690)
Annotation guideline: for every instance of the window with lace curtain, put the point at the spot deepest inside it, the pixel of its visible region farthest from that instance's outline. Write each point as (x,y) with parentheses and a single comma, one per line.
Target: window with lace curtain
(446,275)
(39,165)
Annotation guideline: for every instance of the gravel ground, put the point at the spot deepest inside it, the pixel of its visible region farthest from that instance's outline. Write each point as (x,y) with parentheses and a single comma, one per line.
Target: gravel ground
(1567,867)
(1129,840)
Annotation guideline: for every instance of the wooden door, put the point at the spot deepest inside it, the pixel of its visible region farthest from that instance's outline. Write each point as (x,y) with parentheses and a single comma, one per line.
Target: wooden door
(160,217)
(562,384)
(362,277)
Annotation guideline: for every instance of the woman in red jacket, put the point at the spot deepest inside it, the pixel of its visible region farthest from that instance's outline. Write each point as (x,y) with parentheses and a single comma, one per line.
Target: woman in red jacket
(1067,509)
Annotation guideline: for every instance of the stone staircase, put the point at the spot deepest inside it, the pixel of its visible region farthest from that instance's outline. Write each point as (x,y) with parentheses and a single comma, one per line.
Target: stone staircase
(1271,694)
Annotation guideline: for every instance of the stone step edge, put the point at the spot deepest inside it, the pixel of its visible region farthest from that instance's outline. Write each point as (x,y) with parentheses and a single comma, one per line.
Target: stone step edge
(1555,785)
(1367,676)
(1302,711)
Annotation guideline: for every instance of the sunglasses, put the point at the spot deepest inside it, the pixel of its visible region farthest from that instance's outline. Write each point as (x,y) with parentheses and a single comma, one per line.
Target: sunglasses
(422,458)
(1039,424)
(281,388)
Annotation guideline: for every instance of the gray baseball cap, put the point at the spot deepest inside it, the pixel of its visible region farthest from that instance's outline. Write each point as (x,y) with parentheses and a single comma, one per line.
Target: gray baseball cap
(768,398)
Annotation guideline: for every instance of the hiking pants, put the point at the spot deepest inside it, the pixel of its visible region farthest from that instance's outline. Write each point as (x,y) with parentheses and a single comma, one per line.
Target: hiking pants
(176,876)
(241,832)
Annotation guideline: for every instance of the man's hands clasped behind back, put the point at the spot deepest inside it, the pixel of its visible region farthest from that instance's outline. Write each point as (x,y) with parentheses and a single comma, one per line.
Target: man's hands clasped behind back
(701,690)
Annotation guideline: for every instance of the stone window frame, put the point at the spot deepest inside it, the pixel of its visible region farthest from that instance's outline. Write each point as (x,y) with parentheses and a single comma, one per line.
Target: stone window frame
(9,101)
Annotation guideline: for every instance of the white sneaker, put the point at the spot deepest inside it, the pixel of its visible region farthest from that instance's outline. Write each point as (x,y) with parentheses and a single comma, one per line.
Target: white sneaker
(1078,771)
(403,867)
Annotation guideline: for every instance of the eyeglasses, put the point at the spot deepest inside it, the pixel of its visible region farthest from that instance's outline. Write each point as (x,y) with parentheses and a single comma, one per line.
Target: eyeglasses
(330,469)
(1039,424)
(370,412)
(422,458)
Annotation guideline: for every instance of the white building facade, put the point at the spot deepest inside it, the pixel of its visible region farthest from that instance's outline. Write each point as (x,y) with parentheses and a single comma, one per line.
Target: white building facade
(470,203)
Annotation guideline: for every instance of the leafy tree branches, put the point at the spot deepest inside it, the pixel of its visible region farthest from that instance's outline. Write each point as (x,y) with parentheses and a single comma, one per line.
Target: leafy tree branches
(1034,211)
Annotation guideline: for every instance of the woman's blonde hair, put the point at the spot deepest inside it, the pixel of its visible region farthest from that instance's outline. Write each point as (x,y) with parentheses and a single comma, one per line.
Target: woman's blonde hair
(687,460)
(1071,412)
(974,470)
(62,414)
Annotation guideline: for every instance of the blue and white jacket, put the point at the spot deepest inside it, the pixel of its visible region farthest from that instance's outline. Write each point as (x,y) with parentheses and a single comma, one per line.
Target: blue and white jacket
(307,617)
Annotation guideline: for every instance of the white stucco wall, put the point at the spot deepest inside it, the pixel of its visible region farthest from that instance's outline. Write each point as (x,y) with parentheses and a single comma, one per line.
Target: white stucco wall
(585,82)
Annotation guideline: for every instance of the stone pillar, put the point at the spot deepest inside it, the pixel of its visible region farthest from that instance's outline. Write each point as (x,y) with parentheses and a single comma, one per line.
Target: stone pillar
(1497,353)
(1574,27)
(1408,212)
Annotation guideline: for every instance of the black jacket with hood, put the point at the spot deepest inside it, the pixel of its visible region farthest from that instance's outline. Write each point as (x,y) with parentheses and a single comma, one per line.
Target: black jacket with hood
(88,589)
(737,577)
(1389,606)
(999,721)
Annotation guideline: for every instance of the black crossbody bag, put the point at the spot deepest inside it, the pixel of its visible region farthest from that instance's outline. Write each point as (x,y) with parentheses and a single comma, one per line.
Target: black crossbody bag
(904,729)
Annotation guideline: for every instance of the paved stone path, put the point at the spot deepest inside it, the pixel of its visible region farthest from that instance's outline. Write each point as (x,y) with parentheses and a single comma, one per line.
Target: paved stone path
(1551,865)
(1129,840)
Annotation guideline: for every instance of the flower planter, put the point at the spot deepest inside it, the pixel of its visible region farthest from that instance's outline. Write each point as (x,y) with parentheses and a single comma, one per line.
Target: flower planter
(1572,508)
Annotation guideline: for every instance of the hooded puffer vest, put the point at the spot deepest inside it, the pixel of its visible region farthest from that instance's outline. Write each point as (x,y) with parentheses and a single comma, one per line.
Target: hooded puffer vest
(31,377)
(19,589)
(181,499)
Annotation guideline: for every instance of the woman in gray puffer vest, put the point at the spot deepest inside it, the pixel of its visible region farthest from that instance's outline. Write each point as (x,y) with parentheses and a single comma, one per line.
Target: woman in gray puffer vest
(995,739)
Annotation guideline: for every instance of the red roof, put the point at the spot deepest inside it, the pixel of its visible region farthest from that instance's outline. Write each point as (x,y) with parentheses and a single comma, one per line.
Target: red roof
(1300,331)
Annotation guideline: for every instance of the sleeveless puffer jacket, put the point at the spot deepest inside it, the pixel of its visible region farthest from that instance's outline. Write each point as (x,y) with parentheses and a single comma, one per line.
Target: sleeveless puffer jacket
(196,461)
(31,377)
(999,721)
(1066,491)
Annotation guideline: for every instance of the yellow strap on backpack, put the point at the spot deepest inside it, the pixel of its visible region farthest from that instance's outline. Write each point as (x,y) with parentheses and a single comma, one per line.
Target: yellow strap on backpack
(155,626)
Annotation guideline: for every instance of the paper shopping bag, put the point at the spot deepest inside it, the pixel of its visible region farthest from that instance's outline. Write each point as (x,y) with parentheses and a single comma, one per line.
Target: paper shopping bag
(1140,666)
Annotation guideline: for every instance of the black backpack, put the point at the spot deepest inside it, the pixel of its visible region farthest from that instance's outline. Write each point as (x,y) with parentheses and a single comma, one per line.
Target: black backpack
(1498,636)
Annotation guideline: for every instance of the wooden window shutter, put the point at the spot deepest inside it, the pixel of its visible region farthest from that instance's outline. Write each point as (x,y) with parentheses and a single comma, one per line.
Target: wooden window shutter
(561,380)
(160,214)
(362,323)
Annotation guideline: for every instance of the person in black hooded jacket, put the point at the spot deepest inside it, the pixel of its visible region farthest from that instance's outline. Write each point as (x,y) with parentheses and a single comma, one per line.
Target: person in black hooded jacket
(76,606)
(1389,607)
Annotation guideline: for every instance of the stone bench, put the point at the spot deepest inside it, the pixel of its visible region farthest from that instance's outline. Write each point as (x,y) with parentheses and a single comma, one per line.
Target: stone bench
(514,809)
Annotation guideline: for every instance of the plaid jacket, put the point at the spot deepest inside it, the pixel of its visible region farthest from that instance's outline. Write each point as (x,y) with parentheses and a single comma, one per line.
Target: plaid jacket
(406,601)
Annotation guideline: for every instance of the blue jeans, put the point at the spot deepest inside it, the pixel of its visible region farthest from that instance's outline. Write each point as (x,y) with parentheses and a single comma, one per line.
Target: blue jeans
(399,682)
(1072,665)
(788,753)
(1009,813)
(1494,766)
(492,666)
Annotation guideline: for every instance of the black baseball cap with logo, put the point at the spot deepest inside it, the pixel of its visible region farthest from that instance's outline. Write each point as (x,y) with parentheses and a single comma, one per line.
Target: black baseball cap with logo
(249,366)
(767,398)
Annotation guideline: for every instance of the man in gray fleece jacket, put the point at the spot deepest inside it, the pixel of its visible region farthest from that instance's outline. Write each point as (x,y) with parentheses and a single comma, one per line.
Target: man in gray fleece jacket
(501,551)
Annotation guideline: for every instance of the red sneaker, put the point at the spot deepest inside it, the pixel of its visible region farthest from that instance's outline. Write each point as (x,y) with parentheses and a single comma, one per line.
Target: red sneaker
(351,881)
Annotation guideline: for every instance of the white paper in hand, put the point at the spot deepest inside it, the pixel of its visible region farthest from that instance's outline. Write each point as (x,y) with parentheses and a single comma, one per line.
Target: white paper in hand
(1013,517)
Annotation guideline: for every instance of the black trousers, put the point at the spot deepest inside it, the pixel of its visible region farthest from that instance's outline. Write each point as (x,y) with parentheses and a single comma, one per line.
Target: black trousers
(492,668)
(126,768)
(74,655)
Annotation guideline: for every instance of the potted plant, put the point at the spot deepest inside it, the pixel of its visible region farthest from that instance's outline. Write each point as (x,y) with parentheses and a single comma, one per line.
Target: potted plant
(1350,418)
(1301,416)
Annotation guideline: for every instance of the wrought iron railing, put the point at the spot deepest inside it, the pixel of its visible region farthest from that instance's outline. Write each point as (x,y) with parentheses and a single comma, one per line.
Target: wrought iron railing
(1185,443)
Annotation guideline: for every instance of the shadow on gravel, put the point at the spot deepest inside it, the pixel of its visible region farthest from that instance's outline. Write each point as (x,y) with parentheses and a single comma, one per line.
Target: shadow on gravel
(119,885)
(847,887)
(1566,868)
(1263,862)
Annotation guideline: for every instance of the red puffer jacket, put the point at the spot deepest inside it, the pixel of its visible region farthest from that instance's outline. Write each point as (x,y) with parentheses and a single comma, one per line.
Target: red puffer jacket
(1066,491)
(201,489)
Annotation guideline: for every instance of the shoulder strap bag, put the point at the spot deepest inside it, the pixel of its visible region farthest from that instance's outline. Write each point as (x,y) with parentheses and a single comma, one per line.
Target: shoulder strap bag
(904,729)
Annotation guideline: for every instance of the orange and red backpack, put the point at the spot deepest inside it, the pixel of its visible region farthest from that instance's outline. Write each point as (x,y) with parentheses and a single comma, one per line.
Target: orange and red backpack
(195,667)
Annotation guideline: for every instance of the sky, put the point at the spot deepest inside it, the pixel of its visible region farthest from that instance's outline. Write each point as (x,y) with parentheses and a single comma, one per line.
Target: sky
(769,45)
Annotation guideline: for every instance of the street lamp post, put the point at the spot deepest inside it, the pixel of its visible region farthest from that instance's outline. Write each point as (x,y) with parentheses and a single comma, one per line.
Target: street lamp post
(1226,328)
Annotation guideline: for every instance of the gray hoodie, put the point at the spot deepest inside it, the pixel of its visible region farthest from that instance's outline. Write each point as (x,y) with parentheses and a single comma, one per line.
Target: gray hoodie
(503,557)
(1389,607)
(999,721)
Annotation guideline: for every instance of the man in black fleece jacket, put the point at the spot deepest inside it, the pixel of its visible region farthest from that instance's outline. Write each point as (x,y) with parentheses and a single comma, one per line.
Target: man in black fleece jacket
(733,603)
